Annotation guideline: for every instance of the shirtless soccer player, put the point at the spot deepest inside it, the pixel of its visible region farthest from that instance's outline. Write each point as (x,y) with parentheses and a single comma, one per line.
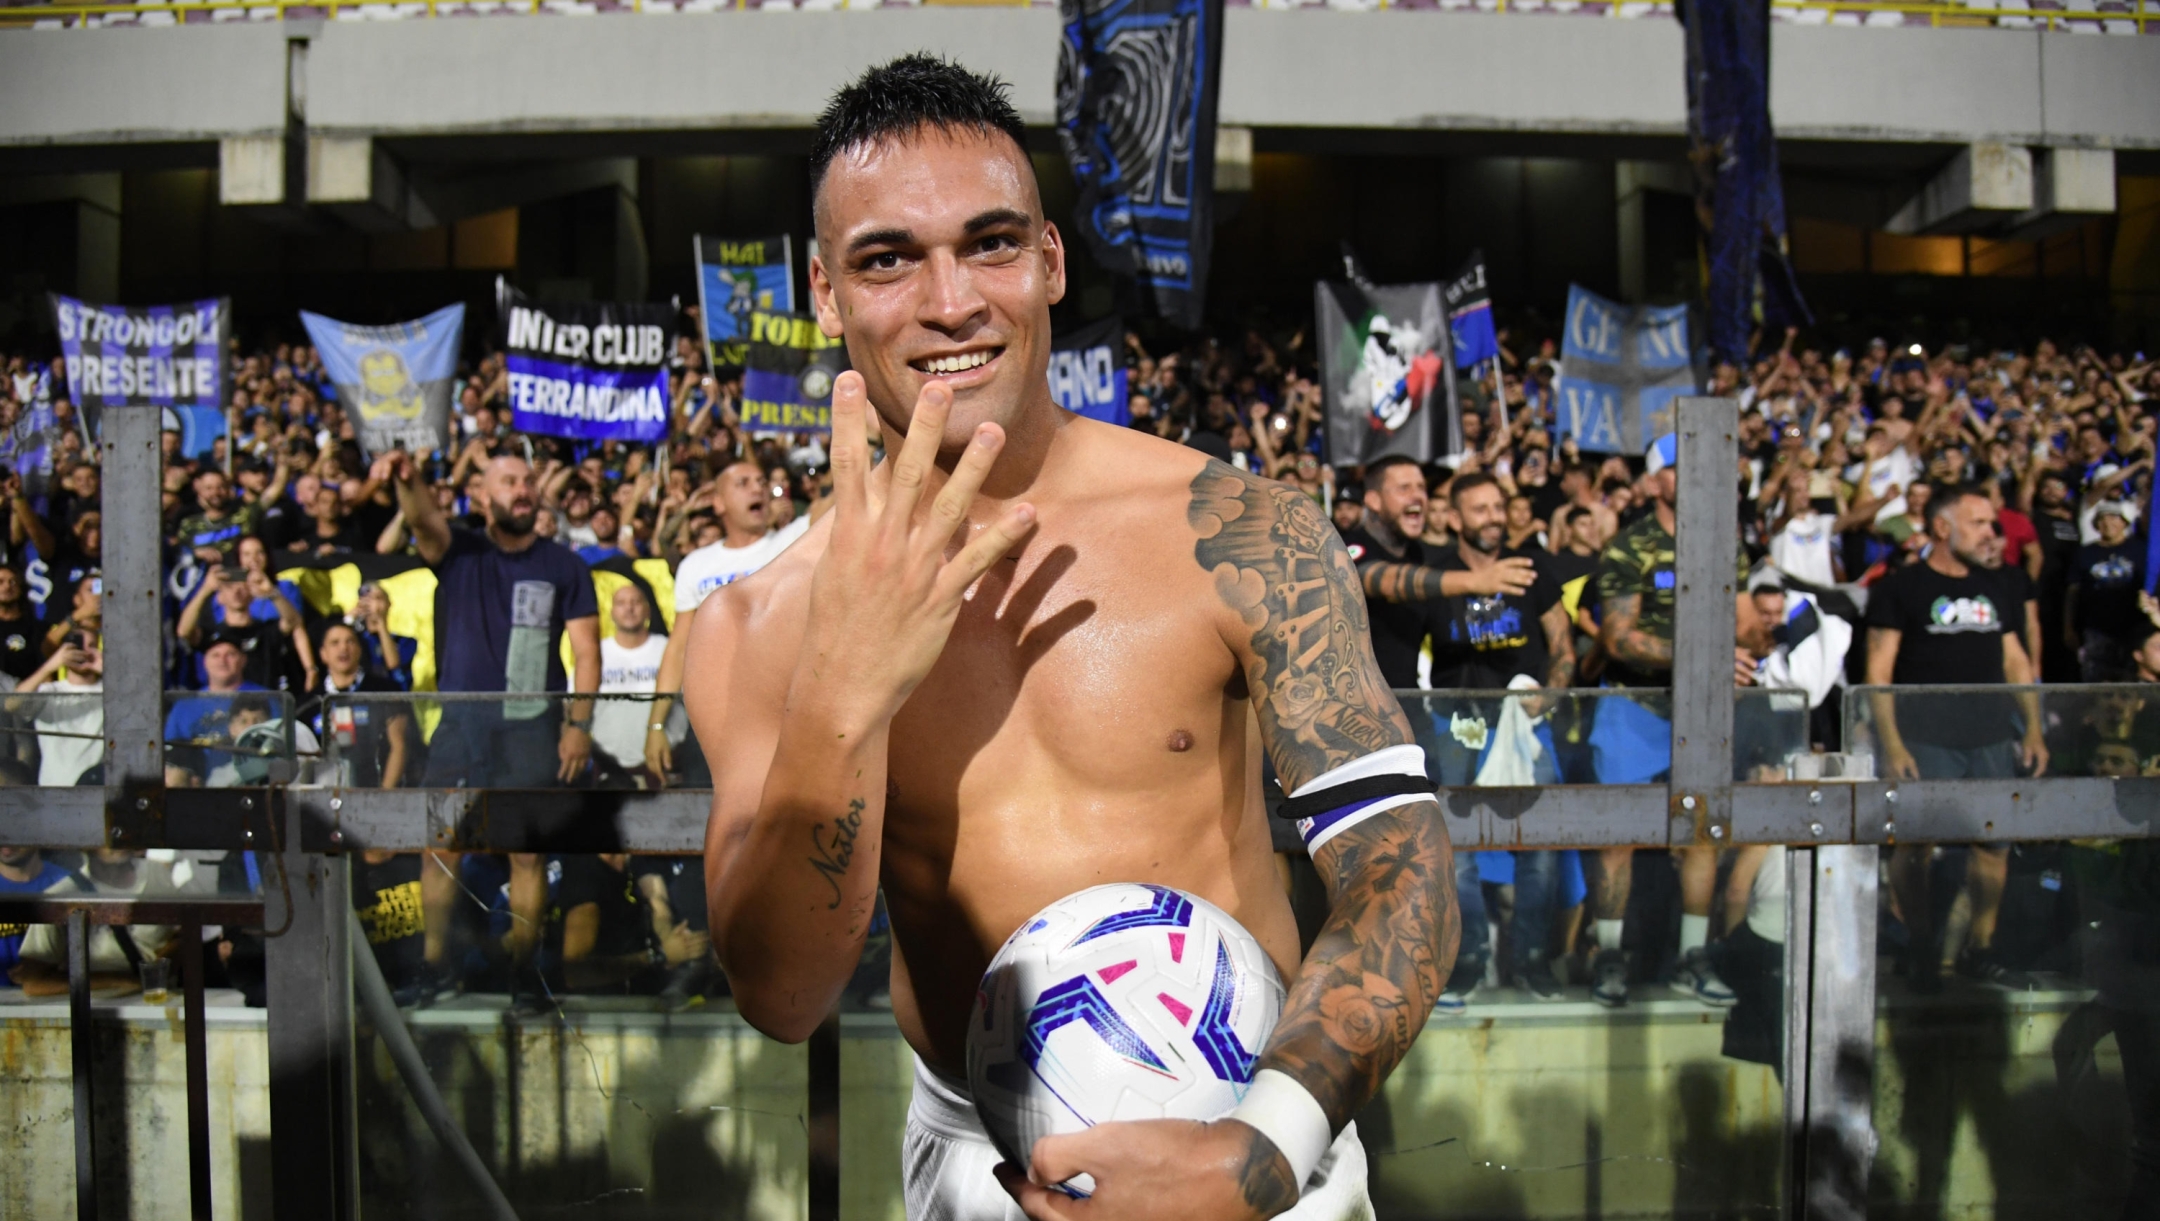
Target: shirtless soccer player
(1028,654)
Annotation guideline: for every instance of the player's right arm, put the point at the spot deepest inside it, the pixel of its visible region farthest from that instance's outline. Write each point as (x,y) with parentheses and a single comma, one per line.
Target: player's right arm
(792,881)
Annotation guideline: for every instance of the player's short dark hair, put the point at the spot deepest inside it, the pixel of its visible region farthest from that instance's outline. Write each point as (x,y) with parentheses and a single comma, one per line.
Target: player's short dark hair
(902,97)
(1465,484)
(1377,469)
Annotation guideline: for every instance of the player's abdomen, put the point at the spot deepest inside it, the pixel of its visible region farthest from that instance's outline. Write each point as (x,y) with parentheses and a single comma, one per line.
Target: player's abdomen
(956,888)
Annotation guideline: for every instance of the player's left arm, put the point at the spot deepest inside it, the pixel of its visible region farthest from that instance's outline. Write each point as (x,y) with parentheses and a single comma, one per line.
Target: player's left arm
(1383,954)
(1294,616)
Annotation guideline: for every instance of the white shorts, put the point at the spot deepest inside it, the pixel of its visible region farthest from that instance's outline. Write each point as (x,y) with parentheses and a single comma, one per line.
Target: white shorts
(947,1160)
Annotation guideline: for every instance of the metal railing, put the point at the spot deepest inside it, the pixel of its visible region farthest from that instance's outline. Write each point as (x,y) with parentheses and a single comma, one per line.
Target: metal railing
(1704,788)
(2120,16)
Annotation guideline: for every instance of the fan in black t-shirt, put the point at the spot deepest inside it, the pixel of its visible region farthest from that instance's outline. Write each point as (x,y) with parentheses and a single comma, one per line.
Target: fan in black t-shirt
(2102,605)
(1396,571)
(386,896)
(20,632)
(2054,519)
(1487,640)
(605,933)
(1953,618)
(373,739)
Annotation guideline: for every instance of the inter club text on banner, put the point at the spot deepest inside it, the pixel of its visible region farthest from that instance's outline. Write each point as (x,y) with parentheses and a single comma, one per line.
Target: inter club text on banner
(148,355)
(788,371)
(588,370)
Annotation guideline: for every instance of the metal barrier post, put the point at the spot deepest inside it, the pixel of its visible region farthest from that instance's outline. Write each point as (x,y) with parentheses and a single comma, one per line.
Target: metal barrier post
(313,1125)
(190,954)
(1835,1148)
(82,1040)
(824,1114)
(1799,996)
(1830,1032)
(134,633)
(1707,537)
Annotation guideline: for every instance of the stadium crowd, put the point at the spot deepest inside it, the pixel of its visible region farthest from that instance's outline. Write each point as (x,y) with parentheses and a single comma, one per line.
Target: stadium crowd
(1878,485)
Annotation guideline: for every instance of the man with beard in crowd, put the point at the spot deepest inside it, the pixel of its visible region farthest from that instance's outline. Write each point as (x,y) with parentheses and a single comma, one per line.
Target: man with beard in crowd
(504,601)
(1953,618)
(215,529)
(1489,642)
(1395,566)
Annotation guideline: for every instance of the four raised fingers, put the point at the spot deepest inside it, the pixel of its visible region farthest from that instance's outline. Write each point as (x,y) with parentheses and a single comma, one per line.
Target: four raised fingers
(909,471)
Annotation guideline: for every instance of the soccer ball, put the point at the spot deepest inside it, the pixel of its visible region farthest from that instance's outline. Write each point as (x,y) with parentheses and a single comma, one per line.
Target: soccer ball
(1119,1002)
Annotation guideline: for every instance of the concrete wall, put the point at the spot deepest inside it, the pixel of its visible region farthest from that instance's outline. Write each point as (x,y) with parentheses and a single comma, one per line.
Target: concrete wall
(2022,87)
(1285,70)
(194,82)
(1471,71)
(740,69)
(1519,1110)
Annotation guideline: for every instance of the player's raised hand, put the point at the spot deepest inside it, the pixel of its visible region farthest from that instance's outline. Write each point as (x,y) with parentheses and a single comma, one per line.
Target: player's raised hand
(1156,1170)
(885,595)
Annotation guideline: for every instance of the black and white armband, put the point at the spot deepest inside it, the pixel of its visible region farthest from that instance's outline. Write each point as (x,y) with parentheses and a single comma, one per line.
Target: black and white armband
(1336,800)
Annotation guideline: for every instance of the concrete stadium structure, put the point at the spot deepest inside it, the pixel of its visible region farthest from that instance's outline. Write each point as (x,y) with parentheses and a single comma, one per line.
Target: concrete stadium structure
(1555,143)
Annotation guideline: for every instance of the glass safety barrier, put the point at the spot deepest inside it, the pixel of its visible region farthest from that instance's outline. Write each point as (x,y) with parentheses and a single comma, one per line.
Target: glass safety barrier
(2017,1066)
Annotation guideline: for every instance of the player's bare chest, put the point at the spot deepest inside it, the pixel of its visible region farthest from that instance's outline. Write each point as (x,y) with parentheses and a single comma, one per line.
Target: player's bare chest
(1076,629)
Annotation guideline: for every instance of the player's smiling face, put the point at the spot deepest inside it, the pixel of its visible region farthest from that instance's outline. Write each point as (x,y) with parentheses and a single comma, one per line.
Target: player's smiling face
(935,264)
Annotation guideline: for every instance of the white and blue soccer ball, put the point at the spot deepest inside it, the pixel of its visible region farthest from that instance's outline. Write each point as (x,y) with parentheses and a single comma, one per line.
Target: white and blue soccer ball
(1120,1002)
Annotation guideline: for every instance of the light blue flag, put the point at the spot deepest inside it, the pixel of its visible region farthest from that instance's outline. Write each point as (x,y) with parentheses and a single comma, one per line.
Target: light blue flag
(395,381)
(1621,366)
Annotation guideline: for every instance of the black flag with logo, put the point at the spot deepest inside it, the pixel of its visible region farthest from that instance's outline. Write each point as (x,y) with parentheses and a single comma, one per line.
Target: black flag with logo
(1136,91)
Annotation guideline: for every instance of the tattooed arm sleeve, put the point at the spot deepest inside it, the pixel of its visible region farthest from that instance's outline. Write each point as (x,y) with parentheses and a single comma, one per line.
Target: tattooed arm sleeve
(1301,635)
(1400,582)
(1624,638)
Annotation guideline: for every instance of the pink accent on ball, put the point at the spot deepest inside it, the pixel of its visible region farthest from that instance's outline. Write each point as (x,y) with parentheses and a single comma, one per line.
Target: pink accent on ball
(1178,1009)
(1110,974)
(1177,947)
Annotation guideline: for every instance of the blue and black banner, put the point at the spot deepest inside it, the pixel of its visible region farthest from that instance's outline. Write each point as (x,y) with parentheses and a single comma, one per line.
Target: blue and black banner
(148,355)
(1739,195)
(1136,90)
(590,370)
(1088,375)
(1469,307)
(788,371)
